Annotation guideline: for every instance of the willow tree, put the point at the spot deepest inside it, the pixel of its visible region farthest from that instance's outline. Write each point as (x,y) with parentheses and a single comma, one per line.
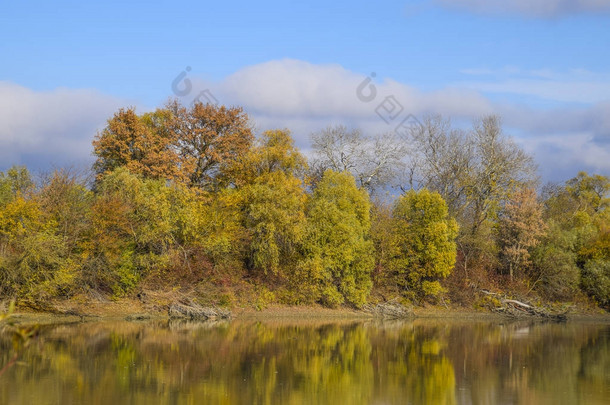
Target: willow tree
(272,198)
(423,243)
(339,254)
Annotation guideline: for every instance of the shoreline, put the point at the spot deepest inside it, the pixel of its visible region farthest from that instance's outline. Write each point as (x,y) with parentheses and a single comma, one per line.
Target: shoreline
(282,313)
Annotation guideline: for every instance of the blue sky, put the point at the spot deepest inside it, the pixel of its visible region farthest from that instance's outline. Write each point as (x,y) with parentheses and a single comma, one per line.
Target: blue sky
(543,66)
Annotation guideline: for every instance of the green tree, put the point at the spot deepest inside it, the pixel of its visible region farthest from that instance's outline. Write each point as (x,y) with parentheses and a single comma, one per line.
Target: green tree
(555,272)
(339,254)
(273,199)
(134,229)
(577,212)
(423,243)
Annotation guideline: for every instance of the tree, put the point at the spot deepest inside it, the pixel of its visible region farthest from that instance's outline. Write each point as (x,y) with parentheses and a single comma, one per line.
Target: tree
(591,192)
(36,260)
(338,253)
(142,144)
(134,229)
(501,166)
(555,272)
(423,243)
(596,280)
(273,200)
(475,171)
(443,161)
(16,181)
(580,222)
(520,229)
(373,161)
(208,139)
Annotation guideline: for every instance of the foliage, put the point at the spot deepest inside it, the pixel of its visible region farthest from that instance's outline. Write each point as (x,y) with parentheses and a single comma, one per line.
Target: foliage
(423,243)
(596,280)
(208,139)
(273,201)
(555,271)
(186,196)
(141,144)
(520,229)
(580,224)
(134,226)
(338,253)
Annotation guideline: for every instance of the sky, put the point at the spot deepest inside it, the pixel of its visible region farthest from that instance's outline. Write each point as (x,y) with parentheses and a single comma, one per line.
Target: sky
(543,66)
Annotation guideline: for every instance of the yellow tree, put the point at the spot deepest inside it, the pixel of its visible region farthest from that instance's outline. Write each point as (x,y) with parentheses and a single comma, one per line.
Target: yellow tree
(273,200)
(423,243)
(338,252)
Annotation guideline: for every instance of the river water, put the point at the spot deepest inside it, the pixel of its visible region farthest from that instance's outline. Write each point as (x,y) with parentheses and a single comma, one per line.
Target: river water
(310,362)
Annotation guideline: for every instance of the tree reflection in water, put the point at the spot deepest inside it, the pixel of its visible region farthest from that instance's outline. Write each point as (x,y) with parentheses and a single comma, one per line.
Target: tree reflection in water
(419,362)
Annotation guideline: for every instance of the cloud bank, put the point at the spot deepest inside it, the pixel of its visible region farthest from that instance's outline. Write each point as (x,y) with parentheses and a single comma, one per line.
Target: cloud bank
(40,129)
(305,98)
(529,8)
(56,127)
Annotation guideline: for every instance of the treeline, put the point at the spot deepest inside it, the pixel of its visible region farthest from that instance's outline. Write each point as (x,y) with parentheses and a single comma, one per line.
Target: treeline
(188,197)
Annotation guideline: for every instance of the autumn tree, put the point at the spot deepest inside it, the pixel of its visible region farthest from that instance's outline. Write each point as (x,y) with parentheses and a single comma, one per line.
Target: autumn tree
(381,235)
(520,230)
(208,140)
(19,217)
(554,271)
(338,253)
(423,243)
(141,144)
(577,249)
(475,171)
(39,252)
(135,225)
(273,200)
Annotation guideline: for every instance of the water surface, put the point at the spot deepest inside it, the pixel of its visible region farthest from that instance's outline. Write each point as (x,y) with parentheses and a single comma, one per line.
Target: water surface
(248,362)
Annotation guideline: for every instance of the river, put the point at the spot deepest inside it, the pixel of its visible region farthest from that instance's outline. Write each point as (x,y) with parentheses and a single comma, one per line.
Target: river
(310,362)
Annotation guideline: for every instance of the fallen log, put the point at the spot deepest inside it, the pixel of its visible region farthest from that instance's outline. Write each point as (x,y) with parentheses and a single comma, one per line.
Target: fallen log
(516,309)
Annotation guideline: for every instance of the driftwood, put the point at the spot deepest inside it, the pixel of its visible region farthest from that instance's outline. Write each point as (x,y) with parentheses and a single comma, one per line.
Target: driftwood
(517,309)
(389,310)
(194,311)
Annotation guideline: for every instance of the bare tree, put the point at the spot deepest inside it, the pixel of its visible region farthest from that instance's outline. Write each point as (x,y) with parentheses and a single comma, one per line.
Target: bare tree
(501,166)
(373,161)
(442,160)
(475,171)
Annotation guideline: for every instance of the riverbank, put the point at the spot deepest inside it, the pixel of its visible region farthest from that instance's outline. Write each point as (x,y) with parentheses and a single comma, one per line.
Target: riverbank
(133,310)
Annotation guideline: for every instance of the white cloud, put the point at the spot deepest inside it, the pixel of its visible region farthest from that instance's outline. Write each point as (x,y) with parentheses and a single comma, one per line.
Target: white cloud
(50,127)
(530,8)
(290,90)
(305,98)
(39,128)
